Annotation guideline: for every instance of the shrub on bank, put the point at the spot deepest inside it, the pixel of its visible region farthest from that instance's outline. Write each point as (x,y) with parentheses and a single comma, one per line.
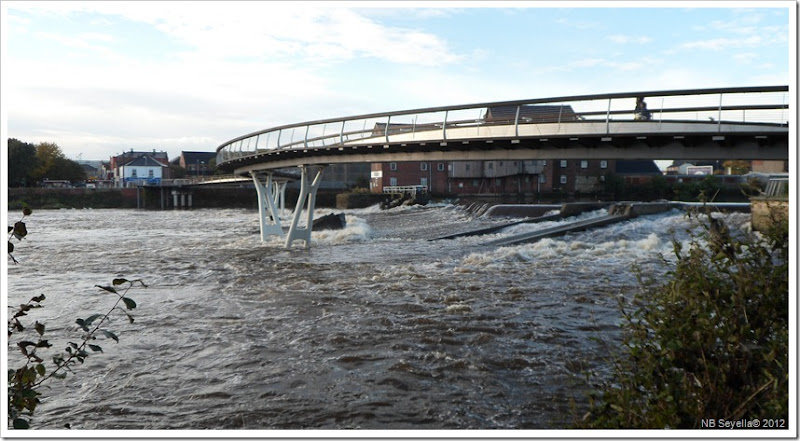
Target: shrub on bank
(710,342)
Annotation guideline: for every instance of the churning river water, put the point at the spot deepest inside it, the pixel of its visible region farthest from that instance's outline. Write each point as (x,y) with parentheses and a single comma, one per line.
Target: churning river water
(373,327)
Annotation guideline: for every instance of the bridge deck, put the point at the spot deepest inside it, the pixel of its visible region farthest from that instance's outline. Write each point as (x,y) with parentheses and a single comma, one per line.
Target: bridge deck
(736,123)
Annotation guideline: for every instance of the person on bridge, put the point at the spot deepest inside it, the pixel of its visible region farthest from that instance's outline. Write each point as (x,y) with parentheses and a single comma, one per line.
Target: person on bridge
(640,112)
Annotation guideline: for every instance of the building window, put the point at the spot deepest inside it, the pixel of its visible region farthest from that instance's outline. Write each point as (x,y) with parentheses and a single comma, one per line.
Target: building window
(584,164)
(423,182)
(604,164)
(563,163)
(133,173)
(423,166)
(150,173)
(393,182)
(393,167)
(544,162)
(498,182)
(475,183)
(440,167)
(466,167)
(542,179)
(563,179)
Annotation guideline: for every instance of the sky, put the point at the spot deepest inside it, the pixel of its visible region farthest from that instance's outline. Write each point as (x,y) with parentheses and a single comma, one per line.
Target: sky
(102,77)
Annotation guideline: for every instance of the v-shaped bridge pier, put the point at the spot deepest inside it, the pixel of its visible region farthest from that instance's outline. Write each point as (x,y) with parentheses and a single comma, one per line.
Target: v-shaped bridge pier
(272,198)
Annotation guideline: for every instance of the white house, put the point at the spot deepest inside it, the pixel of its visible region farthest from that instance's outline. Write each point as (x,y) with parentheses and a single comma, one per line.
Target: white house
(143,169)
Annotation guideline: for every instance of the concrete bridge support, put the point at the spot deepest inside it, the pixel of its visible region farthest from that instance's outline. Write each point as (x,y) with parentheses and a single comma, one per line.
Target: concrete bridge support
(269,218)
(309,183)
(180,196)
(279,194)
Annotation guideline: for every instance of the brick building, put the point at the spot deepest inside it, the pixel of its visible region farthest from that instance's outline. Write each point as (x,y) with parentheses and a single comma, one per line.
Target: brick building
(433,175)
(507,177)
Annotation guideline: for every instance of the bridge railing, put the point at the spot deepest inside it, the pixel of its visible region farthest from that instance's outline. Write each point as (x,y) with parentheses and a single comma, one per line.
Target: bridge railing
(749,105)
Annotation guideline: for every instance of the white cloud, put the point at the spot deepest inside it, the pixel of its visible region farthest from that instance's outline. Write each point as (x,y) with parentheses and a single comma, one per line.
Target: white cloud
(717,44)
(625,39)
(228,68)
(745,57)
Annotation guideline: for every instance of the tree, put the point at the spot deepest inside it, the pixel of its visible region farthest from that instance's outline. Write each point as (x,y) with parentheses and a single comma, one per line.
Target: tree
(22,161)
(614,185)
(710,343)
(67,169)
(737,167)
(176,171)
(52,164)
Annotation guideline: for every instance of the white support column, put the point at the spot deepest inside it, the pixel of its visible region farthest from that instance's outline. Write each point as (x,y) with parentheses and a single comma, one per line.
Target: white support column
(269,220)
(308,193)
(280,196)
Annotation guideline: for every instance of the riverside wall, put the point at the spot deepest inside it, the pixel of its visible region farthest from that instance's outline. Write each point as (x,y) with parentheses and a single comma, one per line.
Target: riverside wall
(149,198)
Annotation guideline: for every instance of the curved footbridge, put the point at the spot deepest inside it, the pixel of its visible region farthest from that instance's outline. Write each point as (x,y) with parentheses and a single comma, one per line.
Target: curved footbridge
(731,123)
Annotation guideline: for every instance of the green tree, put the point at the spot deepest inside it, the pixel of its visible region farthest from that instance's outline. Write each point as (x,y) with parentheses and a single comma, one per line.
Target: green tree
(176,171)
(711,342)
(737,167)
(52,164)
(67,169)
(614,185)
(22,162)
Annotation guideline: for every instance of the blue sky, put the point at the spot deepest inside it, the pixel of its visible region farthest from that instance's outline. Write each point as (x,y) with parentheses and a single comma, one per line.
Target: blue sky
(98,77)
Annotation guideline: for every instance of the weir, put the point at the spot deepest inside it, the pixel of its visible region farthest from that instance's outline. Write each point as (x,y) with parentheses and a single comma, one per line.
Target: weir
(723,123)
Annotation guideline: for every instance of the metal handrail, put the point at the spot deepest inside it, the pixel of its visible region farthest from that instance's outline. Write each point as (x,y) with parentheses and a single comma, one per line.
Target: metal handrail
(701,103)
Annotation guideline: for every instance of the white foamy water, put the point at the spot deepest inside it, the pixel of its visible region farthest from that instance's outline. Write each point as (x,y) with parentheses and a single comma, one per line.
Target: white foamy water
(375,326)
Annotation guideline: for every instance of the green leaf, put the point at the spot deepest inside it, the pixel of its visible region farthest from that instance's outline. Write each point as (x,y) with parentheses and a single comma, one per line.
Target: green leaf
(129,303)
(19,423)
(41,369)
(10,247)
(95,348)
(110,334)
(20,231)
(107,288)
(82,324)
(119,281)
(92,318)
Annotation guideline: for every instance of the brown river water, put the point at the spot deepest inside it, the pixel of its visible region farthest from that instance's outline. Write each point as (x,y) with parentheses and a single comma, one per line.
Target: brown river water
(373,327)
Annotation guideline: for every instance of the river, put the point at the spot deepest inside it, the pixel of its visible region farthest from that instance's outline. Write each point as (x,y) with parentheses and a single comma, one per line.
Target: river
(373,327)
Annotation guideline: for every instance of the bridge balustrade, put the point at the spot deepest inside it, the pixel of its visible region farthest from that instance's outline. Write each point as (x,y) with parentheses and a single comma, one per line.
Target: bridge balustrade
(509,119)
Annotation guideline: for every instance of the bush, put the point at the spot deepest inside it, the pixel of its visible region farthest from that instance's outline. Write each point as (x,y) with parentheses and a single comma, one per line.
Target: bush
(711,342)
